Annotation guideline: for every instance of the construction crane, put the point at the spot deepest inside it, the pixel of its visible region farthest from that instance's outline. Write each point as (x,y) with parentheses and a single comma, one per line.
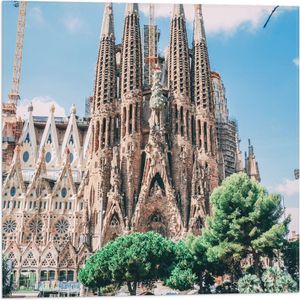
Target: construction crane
(270,16)
(14,94)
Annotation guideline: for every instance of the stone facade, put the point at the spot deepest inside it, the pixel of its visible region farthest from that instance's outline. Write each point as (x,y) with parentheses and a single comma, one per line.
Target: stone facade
(144,160)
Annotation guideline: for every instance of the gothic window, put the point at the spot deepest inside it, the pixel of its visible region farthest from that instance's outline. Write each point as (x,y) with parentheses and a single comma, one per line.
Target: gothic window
(156,218)
(44,263)
(71,140)
(114,221)
(49,140)
(36,226)
(52,263)
(33,263)
(48,157)
(25,156)
(49,256)
(71,157)
(64,192)
(29,237)
(62,226)
(9,226)
(199,223)
(13,191)
(25,263)
(39,238)
(27,138)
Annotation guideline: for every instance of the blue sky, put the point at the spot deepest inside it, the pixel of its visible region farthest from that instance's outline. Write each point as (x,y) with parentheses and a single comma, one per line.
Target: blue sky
(259,67)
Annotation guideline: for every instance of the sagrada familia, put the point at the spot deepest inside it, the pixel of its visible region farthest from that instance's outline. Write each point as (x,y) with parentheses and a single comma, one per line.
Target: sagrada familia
(147,157)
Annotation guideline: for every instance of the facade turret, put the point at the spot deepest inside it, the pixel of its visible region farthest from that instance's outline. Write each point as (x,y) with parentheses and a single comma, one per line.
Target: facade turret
(106,120)
(205,125)
(179,80)
(179,66)
(131,107)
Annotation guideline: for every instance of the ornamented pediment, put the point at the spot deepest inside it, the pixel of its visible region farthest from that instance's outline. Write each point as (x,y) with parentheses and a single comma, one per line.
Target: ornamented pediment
(49,141)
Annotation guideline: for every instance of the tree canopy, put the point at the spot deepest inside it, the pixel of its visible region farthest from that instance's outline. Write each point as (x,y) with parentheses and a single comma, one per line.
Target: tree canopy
(245,222)
(138,257)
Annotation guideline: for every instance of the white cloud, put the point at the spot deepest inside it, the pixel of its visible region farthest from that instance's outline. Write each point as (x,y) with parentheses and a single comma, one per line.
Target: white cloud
(296,61)
(41,107)
(221,18)
(73,24)
(37,15)
(288,187)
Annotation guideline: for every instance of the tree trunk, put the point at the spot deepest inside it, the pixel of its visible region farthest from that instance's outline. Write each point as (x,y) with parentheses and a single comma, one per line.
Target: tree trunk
(132,288)
(256,264)
(200,282)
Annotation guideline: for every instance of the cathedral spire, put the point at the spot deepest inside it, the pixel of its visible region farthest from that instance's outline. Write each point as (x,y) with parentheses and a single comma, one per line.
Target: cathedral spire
(105,82)
(179,67)
(178,11)
(108,21)
(202,87)
(131,63)
(131,8)
(199,32)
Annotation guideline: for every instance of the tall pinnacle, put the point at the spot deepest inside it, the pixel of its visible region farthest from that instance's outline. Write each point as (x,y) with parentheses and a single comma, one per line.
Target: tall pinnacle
(178,11)
(108,21)
(131,71)
(131,8)
(179,68)
(202,87)
(199,32)
(105,82)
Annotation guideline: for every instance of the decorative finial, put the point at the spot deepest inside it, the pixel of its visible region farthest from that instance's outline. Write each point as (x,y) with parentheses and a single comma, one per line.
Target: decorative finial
(52,108)
(30,107)
(73,109)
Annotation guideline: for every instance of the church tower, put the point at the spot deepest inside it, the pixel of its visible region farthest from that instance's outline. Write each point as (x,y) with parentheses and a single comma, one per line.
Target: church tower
(105,126)
(181,115)
(131,107)
(205,161)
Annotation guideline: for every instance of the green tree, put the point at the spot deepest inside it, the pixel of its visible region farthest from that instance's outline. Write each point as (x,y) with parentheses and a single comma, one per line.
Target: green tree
(245,221)
(274,280)
(181,279)
(249,284)
(291,259)
(201,266)
(277,281)
(6,278)
(130,259)
(191,266)
(182,275)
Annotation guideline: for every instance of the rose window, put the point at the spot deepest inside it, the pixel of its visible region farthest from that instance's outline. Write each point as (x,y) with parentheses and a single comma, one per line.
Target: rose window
(62,226)
(9,226)
(36,226)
